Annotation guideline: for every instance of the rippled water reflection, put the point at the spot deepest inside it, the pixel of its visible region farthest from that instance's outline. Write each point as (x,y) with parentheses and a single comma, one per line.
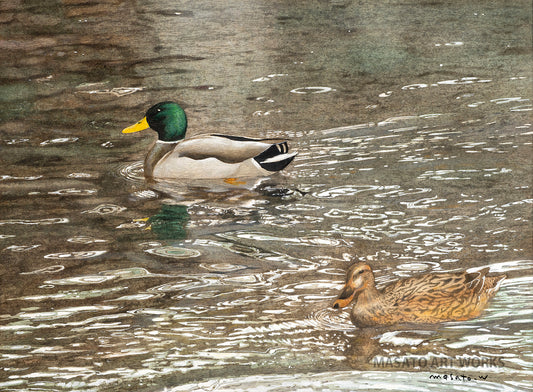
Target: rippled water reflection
(414,142)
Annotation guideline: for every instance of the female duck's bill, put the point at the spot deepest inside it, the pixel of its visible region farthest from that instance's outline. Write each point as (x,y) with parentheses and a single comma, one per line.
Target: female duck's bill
(206,156)
(430,298)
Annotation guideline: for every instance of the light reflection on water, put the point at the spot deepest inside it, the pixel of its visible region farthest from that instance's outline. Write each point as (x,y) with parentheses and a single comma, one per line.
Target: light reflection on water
(415,161)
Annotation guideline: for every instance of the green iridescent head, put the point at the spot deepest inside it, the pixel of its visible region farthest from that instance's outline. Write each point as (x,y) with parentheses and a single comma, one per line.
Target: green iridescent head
(166,118)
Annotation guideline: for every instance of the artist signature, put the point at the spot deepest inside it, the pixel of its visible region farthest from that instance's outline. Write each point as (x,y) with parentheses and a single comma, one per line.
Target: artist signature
(456,377)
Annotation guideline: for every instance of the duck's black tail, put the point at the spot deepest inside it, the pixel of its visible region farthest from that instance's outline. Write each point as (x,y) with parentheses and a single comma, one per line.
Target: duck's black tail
(276,157)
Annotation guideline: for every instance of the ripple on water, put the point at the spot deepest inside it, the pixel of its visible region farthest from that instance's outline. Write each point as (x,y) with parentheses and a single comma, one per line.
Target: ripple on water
(414,267)
(454,43)
(185,283)
(52,269)
(145,194)
(431,239)
(396,338)
(414,86)
(5,177)
(75,255)
(80,280)
(298,207)
(17,141)
(223,267)
(233,247)
(174,252)
(105,209)
(131,273)
(80,175)
(399,192)
(268,77)
(406,270)
(85,240)
(254,280)
(21,248)
(132,171)
(199,295)
(331,319)
(104,276)
(522,108)
(74,192)
(309,241)
(60,140)
(424,203)
(347,190)
(464,80)
(356,213)
(312,90)
(268,327)
(72,294)
(490,340)
(137,297)
(243,301)
(64,312)
(514,265)
(115,91)
(500,101)
(317,293)
(45,221)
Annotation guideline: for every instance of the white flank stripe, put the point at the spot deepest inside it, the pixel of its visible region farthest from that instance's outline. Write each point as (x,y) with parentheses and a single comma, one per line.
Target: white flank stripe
(278,158)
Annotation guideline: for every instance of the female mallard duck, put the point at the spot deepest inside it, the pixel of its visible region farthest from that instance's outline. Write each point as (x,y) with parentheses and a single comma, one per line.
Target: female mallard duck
(430,298)
(205,156)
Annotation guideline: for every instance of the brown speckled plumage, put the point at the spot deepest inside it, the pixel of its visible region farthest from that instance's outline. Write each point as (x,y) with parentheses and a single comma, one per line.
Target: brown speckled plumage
(429,298)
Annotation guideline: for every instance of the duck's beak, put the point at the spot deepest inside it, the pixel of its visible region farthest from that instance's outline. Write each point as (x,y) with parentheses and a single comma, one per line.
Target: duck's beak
(345,297)
(140,126)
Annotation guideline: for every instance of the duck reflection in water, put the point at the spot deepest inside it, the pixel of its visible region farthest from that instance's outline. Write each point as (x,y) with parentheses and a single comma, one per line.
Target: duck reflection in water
(170,222)
(430,298)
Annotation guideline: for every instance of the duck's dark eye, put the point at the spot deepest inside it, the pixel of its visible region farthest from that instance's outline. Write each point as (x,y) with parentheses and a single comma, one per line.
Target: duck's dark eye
(360,272)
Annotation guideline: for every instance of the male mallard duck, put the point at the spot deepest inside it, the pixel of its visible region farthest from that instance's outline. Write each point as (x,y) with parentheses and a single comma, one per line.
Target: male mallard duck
(430,298)
(205,156)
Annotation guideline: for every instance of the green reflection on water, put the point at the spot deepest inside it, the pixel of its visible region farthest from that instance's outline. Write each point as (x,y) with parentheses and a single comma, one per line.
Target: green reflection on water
(170,222)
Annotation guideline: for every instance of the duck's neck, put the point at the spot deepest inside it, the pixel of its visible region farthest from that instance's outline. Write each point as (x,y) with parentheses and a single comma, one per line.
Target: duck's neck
(369,302)
(369,295)
(158,150)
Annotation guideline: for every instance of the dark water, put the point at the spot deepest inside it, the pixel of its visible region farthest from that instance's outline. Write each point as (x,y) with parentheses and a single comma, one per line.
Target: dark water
(413,126)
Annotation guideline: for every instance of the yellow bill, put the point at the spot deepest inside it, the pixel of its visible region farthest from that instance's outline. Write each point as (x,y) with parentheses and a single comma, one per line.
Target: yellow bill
(140,126)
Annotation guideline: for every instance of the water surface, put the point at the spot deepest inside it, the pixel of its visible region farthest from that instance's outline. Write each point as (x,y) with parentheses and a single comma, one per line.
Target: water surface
(413,126)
